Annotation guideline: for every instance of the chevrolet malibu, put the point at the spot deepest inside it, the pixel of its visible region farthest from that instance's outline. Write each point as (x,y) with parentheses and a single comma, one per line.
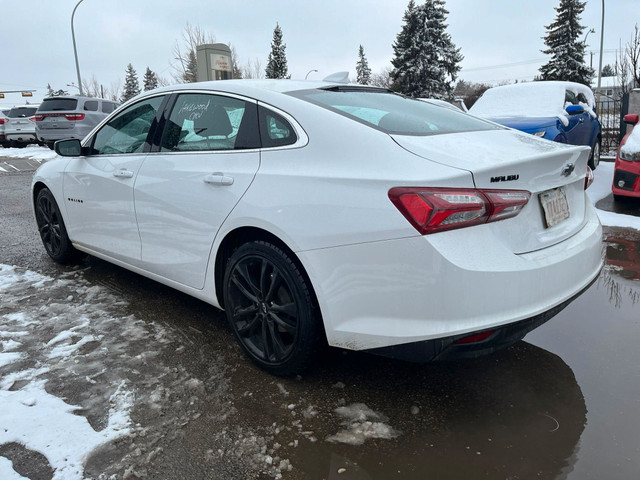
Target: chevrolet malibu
(316,213)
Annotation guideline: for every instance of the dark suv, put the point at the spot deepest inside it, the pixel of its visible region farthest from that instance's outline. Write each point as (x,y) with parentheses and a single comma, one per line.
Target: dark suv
(58,118)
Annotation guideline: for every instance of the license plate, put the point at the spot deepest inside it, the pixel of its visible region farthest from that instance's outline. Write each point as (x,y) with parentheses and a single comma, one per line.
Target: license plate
(555,206)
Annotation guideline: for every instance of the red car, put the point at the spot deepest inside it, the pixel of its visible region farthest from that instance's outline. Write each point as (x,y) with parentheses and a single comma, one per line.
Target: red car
(626,176)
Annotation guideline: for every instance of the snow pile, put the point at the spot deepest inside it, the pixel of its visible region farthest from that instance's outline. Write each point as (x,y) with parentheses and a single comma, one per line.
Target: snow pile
(533,99)
(30,415)
(34,152)
(46,424)
(632,145)
(601,188)
(361,424)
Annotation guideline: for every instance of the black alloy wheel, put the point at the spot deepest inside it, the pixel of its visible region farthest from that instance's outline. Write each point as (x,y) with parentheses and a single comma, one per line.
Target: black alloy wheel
(594,158)
(269,307)
(52,230)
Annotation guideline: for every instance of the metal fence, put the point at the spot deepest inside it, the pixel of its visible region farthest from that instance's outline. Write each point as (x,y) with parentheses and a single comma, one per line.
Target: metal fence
(610,115)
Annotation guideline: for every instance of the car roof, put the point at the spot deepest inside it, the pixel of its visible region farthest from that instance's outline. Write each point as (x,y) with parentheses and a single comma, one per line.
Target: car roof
(76,97)
(265,89)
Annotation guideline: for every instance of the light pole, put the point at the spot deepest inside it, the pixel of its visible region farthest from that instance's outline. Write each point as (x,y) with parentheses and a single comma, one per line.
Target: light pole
(600,63)
(75,51)
(305,77)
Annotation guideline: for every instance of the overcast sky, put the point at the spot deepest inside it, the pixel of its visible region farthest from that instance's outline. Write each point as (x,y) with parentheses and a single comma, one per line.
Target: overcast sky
(500,39)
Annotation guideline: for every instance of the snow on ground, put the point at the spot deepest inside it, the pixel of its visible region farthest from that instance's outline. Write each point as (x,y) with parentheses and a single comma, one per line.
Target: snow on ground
(601,188)
(30,415)
(77,374)
(361,423)
(34,152)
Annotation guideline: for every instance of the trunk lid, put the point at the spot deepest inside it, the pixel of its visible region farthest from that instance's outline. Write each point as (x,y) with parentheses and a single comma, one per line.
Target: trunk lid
(511,160)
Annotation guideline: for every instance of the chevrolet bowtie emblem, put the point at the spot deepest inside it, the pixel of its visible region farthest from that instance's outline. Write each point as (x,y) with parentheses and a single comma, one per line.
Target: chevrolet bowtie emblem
(568,169)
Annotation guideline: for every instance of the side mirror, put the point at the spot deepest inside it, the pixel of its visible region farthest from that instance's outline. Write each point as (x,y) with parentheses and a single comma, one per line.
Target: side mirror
(631,118)
(574,109)
(68,148)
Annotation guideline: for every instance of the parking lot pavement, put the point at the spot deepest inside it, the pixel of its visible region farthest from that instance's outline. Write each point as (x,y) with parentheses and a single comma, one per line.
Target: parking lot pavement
(13,165)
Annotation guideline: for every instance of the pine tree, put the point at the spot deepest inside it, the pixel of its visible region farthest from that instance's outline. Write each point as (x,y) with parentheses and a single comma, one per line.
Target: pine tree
(277,61)
(426,61)
(565,47)
(131,84)
(608,71)
(363,72)
(150,80)
(190,74)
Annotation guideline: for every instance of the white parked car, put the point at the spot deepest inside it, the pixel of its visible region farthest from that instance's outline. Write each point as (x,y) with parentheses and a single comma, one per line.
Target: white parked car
(3,121)
(20,130)
(312,211)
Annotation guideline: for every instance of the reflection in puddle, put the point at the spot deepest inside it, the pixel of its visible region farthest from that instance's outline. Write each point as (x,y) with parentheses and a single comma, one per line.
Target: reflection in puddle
(622,265)
(515,414)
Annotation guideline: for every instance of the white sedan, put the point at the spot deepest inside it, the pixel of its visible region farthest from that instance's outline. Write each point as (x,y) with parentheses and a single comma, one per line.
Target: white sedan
(317,212)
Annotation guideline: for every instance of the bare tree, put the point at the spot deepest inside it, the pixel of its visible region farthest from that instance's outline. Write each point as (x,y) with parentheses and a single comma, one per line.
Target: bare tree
(633,52)
(236,69)
(253,69)
(382,79)
(113,92)
(622,71)
(184,53)
(92,87)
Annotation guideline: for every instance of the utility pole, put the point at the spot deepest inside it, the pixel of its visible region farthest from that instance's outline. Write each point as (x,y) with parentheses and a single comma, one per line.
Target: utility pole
(75,51)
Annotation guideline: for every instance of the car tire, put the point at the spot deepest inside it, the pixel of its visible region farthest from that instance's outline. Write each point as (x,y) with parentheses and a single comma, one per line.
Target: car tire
(52,229)
(594,158)
(269,305)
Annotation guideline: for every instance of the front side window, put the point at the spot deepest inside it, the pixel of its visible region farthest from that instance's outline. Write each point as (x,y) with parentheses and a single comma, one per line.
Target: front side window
(392,113)
(201,121)
(127,132)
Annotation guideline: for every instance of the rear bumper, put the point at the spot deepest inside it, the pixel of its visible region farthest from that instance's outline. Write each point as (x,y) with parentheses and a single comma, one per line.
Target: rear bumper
(21,137)
(58,135)
(451,284)
(447,348)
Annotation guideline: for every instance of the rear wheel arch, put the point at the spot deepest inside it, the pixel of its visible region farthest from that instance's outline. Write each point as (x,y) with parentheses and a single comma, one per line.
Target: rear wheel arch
(238,237)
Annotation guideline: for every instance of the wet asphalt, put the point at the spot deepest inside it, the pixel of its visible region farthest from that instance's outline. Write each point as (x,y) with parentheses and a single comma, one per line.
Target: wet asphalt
(562,404)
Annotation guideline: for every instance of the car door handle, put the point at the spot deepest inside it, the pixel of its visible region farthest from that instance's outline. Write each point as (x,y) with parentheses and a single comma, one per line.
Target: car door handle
(123,173)
(218,179)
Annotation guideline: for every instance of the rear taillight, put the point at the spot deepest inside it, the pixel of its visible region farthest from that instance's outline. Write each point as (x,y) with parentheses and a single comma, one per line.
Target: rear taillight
(3,121)
(32,119)
(74,116)
(475,338)
(588,179)
(38,117)
(432,210)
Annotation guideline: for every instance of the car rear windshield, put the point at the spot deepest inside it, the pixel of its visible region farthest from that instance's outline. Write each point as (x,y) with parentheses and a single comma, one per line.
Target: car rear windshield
(22,112)
(57,104)
(392,113)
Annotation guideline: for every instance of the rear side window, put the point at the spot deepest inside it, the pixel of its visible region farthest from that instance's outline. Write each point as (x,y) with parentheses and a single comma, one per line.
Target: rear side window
(91,105)
(393,113)
(108,107)
(201,121)
(275,130)
(58,104)
(22,112)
